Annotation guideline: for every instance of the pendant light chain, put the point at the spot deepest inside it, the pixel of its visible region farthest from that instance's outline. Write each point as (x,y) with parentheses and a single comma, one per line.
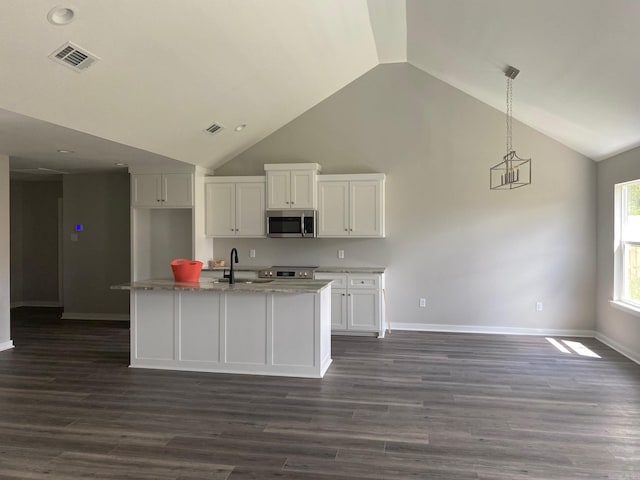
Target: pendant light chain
(509,115)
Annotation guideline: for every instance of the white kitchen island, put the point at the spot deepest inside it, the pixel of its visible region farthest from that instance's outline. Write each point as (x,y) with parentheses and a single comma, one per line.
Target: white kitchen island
(282,327)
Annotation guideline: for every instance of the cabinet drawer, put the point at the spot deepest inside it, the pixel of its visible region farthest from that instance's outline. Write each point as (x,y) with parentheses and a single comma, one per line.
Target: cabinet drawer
(339,279)
(371,282)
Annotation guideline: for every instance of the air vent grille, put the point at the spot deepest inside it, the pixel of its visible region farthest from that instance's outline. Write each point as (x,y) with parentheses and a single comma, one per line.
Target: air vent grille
(74,57)
(213,129)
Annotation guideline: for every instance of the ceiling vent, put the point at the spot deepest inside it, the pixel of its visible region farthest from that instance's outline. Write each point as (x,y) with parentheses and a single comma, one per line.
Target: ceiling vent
(74,57)
(213,129)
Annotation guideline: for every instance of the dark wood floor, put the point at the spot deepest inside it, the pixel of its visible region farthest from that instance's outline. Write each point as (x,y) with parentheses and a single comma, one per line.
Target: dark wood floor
(412,406)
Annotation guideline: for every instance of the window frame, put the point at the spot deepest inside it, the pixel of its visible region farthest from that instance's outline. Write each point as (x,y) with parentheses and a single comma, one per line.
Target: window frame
(621,247)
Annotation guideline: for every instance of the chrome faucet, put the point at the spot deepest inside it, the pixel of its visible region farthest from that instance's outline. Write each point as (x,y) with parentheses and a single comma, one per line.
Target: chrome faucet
(233,259)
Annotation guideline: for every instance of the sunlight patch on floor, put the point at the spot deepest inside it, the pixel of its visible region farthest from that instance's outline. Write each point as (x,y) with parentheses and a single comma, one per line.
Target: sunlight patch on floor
(576,347)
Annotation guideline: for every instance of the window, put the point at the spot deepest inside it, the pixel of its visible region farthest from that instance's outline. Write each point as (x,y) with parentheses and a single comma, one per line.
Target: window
(627,244)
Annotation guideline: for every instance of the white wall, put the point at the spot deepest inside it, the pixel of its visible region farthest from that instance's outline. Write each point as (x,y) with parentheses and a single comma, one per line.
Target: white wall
(100,258)
(481,258)
(620,328)
(5,320)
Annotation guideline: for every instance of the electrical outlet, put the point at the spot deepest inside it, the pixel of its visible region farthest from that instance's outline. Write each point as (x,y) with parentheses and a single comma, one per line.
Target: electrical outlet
(340,253)
(252,253)
(538,306)
(423,302)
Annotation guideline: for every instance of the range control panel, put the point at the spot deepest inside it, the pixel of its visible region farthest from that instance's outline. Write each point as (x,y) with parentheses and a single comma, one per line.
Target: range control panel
(287,273)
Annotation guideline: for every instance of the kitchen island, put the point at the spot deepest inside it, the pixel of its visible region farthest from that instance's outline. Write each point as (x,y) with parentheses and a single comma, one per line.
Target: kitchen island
(272,327)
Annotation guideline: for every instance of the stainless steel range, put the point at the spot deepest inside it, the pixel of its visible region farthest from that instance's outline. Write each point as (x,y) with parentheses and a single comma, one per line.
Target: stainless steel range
(285,272)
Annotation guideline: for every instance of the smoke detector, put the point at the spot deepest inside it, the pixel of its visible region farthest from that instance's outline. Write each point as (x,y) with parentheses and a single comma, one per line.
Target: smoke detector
(61,16)
(74,57)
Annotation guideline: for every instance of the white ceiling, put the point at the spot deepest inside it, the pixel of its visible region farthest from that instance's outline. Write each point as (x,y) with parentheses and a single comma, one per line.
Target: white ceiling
(170,68)
(33,144)
(578,60)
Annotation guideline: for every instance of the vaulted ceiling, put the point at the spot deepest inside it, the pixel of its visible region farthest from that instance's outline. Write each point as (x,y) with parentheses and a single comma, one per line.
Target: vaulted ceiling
(168,69)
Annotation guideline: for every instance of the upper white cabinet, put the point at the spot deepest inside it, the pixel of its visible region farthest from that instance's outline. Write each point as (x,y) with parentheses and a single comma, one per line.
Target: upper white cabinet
(234,206)
(162,190)
(351,205)
(291,185)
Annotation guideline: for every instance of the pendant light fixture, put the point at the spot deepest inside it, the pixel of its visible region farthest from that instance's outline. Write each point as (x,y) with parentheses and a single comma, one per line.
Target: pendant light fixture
(513,171)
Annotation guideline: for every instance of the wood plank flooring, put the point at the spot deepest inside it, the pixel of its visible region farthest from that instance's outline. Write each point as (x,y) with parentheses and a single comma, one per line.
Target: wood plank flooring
(412,406)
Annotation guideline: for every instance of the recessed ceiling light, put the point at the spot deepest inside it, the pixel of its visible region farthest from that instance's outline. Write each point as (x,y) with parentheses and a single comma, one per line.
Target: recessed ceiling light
(241,127)
(60,15)
(65,151)
(119,164)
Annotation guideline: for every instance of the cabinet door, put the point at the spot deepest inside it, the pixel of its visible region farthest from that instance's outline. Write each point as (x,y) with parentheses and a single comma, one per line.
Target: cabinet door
(303,189)
(220,208)
(338,309)
(333,209)
(278,185)
(250,217)
(366,209)
(146,190)
(177,190)
(153,328)
(364,310)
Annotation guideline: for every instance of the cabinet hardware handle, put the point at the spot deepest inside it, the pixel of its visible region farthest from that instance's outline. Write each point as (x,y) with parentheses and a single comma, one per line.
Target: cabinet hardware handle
(361,281)
(351,229)
(158,200)
(346,229)
(236,229)
(232,229)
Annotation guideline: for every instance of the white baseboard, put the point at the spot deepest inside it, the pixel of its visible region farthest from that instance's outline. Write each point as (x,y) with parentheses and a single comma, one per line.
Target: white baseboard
(434,327)
(6,345)
(124,317)
(621,349)
(34,303)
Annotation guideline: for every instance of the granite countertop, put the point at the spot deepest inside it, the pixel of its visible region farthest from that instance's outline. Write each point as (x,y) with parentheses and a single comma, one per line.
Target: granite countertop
(252,286)
(319,269)
(237,268)
(350,269)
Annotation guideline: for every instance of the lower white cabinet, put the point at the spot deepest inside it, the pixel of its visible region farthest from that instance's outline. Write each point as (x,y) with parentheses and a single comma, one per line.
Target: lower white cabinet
(363,310)
(356,303)
(233,331)
(338,309)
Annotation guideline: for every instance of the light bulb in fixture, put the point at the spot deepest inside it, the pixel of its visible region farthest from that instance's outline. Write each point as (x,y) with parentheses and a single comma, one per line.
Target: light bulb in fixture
(240,127)
(120,164)
(65,151)
(60,15)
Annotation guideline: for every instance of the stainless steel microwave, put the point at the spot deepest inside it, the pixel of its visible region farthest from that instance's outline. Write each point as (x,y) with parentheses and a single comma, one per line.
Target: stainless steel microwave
(291,223)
